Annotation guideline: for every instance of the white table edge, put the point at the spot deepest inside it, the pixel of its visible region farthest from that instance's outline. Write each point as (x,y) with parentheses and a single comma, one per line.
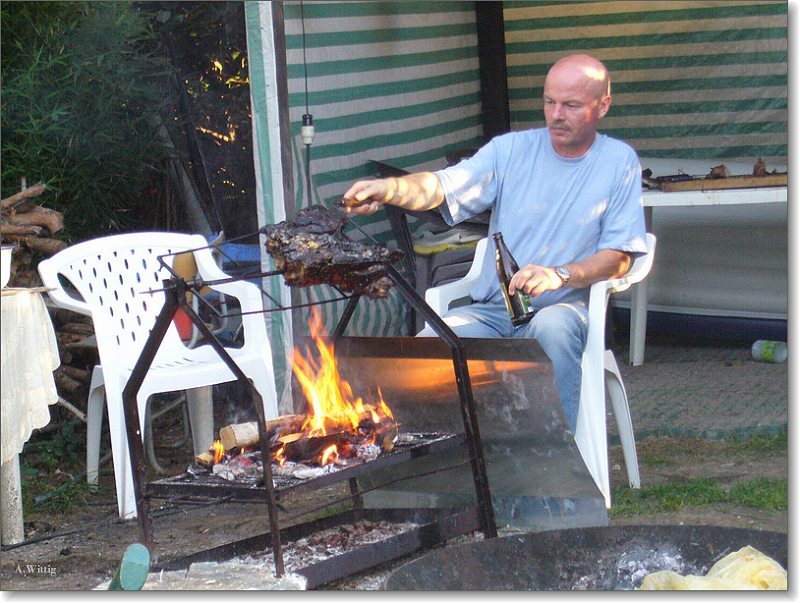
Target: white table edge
(656,198)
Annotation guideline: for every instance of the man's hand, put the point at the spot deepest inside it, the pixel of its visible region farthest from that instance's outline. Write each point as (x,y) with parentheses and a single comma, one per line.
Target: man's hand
(417,192)
(605,264)
(534,280)
(365,197)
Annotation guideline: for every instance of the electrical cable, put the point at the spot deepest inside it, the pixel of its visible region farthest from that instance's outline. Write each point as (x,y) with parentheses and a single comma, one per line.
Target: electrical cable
(307,129)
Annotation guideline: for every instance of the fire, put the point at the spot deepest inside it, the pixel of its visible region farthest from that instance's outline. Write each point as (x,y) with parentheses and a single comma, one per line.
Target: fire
(219,451)
(332,405)
(329,455)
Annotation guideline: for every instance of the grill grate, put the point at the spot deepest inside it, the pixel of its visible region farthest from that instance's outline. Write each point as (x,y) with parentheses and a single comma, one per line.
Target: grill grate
(410,445)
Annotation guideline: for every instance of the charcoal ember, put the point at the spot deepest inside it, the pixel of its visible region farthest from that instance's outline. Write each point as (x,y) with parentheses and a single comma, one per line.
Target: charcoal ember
(313,250)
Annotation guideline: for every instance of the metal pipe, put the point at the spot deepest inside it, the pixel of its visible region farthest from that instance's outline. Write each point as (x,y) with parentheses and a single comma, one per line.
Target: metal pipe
(131,413)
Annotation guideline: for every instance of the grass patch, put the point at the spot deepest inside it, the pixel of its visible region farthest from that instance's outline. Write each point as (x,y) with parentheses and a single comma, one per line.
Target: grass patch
(763,443)
(761,493)
(45,493)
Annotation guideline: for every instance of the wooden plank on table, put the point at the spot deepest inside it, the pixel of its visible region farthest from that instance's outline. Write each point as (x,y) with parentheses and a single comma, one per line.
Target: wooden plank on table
(704,184)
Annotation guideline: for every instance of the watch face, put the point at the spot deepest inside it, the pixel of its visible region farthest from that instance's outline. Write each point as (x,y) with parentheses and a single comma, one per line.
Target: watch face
(563,272)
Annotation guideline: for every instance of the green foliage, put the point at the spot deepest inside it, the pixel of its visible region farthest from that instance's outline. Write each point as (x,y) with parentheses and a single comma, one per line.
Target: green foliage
(82,89)
(760,493)
(62,449)
(43,493)
(53,472)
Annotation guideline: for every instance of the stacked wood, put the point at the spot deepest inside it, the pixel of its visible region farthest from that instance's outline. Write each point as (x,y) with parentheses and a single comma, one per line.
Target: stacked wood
(74,334)
(32,229)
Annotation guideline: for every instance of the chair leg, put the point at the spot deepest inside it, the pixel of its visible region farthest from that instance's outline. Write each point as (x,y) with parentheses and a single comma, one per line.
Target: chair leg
(126,500)
(266,388)
(94,424)
(149,446)
(622,414)
(201,417)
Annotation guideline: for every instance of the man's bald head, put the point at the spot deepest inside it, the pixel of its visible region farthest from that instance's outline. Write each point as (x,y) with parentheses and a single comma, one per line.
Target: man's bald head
(593,71)
(577,94)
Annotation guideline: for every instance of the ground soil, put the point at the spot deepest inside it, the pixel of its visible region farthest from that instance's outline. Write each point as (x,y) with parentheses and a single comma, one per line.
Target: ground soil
(93,539)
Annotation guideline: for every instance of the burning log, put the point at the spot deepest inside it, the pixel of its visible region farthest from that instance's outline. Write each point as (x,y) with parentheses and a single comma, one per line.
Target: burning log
(337,428)
(245,435)
(301,446)
(313,250)
(206,459)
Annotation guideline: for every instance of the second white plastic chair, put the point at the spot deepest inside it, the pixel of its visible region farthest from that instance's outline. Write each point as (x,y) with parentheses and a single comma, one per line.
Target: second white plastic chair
(598,365)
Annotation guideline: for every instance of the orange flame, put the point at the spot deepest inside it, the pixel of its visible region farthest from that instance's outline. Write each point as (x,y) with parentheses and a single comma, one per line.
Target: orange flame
(219,451)
(280,456)
(329,455)
(332,406)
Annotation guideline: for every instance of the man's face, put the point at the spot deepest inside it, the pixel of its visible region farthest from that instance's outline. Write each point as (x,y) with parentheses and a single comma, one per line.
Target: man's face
(572,108)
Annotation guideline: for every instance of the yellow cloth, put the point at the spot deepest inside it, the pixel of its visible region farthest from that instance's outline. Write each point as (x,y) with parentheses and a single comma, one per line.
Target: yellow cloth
(428,249)
(29,357)
(746,569)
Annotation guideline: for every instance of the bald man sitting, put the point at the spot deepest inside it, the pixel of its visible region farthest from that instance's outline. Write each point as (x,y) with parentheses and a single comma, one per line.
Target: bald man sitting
(567,200)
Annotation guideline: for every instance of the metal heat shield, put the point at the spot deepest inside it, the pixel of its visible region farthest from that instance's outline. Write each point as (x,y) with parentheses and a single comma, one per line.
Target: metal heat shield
(537,477)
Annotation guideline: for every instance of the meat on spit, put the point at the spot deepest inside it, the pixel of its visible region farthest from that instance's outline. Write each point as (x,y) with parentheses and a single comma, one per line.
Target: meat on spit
(312,249)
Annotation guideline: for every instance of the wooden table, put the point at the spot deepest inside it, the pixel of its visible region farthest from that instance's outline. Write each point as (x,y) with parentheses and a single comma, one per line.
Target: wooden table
(29,353)
(656,198)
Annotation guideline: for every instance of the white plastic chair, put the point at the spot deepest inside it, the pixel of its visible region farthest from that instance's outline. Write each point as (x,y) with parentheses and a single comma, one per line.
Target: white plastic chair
(598,366)
(113,277)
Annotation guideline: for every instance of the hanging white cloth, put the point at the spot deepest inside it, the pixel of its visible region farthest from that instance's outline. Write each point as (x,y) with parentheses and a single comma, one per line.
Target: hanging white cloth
(29,357)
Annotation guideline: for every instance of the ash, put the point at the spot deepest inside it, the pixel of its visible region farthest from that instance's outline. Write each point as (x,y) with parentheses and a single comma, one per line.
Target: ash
(332,542)
(626,570)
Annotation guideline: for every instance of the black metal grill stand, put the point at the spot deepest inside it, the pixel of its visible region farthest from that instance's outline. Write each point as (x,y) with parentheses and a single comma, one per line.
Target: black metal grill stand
(175,293)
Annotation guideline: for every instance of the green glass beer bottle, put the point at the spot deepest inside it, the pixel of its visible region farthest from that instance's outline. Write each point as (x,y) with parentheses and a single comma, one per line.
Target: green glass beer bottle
(517,305)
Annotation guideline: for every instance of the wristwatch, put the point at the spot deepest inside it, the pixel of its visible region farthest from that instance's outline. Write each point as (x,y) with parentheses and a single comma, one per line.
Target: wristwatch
(563,273)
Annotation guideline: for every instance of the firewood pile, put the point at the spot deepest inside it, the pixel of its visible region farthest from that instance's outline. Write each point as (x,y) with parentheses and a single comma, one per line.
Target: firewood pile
(32,228)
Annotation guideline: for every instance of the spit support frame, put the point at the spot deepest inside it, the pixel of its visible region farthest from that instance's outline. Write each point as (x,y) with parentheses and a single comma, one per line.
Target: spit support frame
(175,289)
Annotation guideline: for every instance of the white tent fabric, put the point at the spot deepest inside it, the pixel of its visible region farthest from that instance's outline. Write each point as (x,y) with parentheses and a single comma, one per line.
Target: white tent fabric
(269,181)
(395,82)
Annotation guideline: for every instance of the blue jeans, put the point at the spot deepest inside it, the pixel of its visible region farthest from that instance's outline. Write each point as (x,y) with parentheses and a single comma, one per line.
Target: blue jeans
(560,329)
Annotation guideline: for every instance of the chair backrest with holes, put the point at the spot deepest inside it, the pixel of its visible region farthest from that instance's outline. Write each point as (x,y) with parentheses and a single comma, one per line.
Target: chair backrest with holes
(118,279)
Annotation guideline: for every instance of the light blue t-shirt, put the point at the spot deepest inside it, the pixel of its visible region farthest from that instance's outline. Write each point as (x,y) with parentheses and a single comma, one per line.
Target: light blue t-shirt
(551,209)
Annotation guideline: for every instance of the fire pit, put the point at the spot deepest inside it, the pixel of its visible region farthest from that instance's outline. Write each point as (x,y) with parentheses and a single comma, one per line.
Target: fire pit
(604,558)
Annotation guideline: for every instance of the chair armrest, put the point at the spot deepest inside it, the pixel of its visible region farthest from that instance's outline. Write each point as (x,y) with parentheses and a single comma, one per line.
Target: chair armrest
(639,269)
(48,272)
(248,294)
(439,298)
